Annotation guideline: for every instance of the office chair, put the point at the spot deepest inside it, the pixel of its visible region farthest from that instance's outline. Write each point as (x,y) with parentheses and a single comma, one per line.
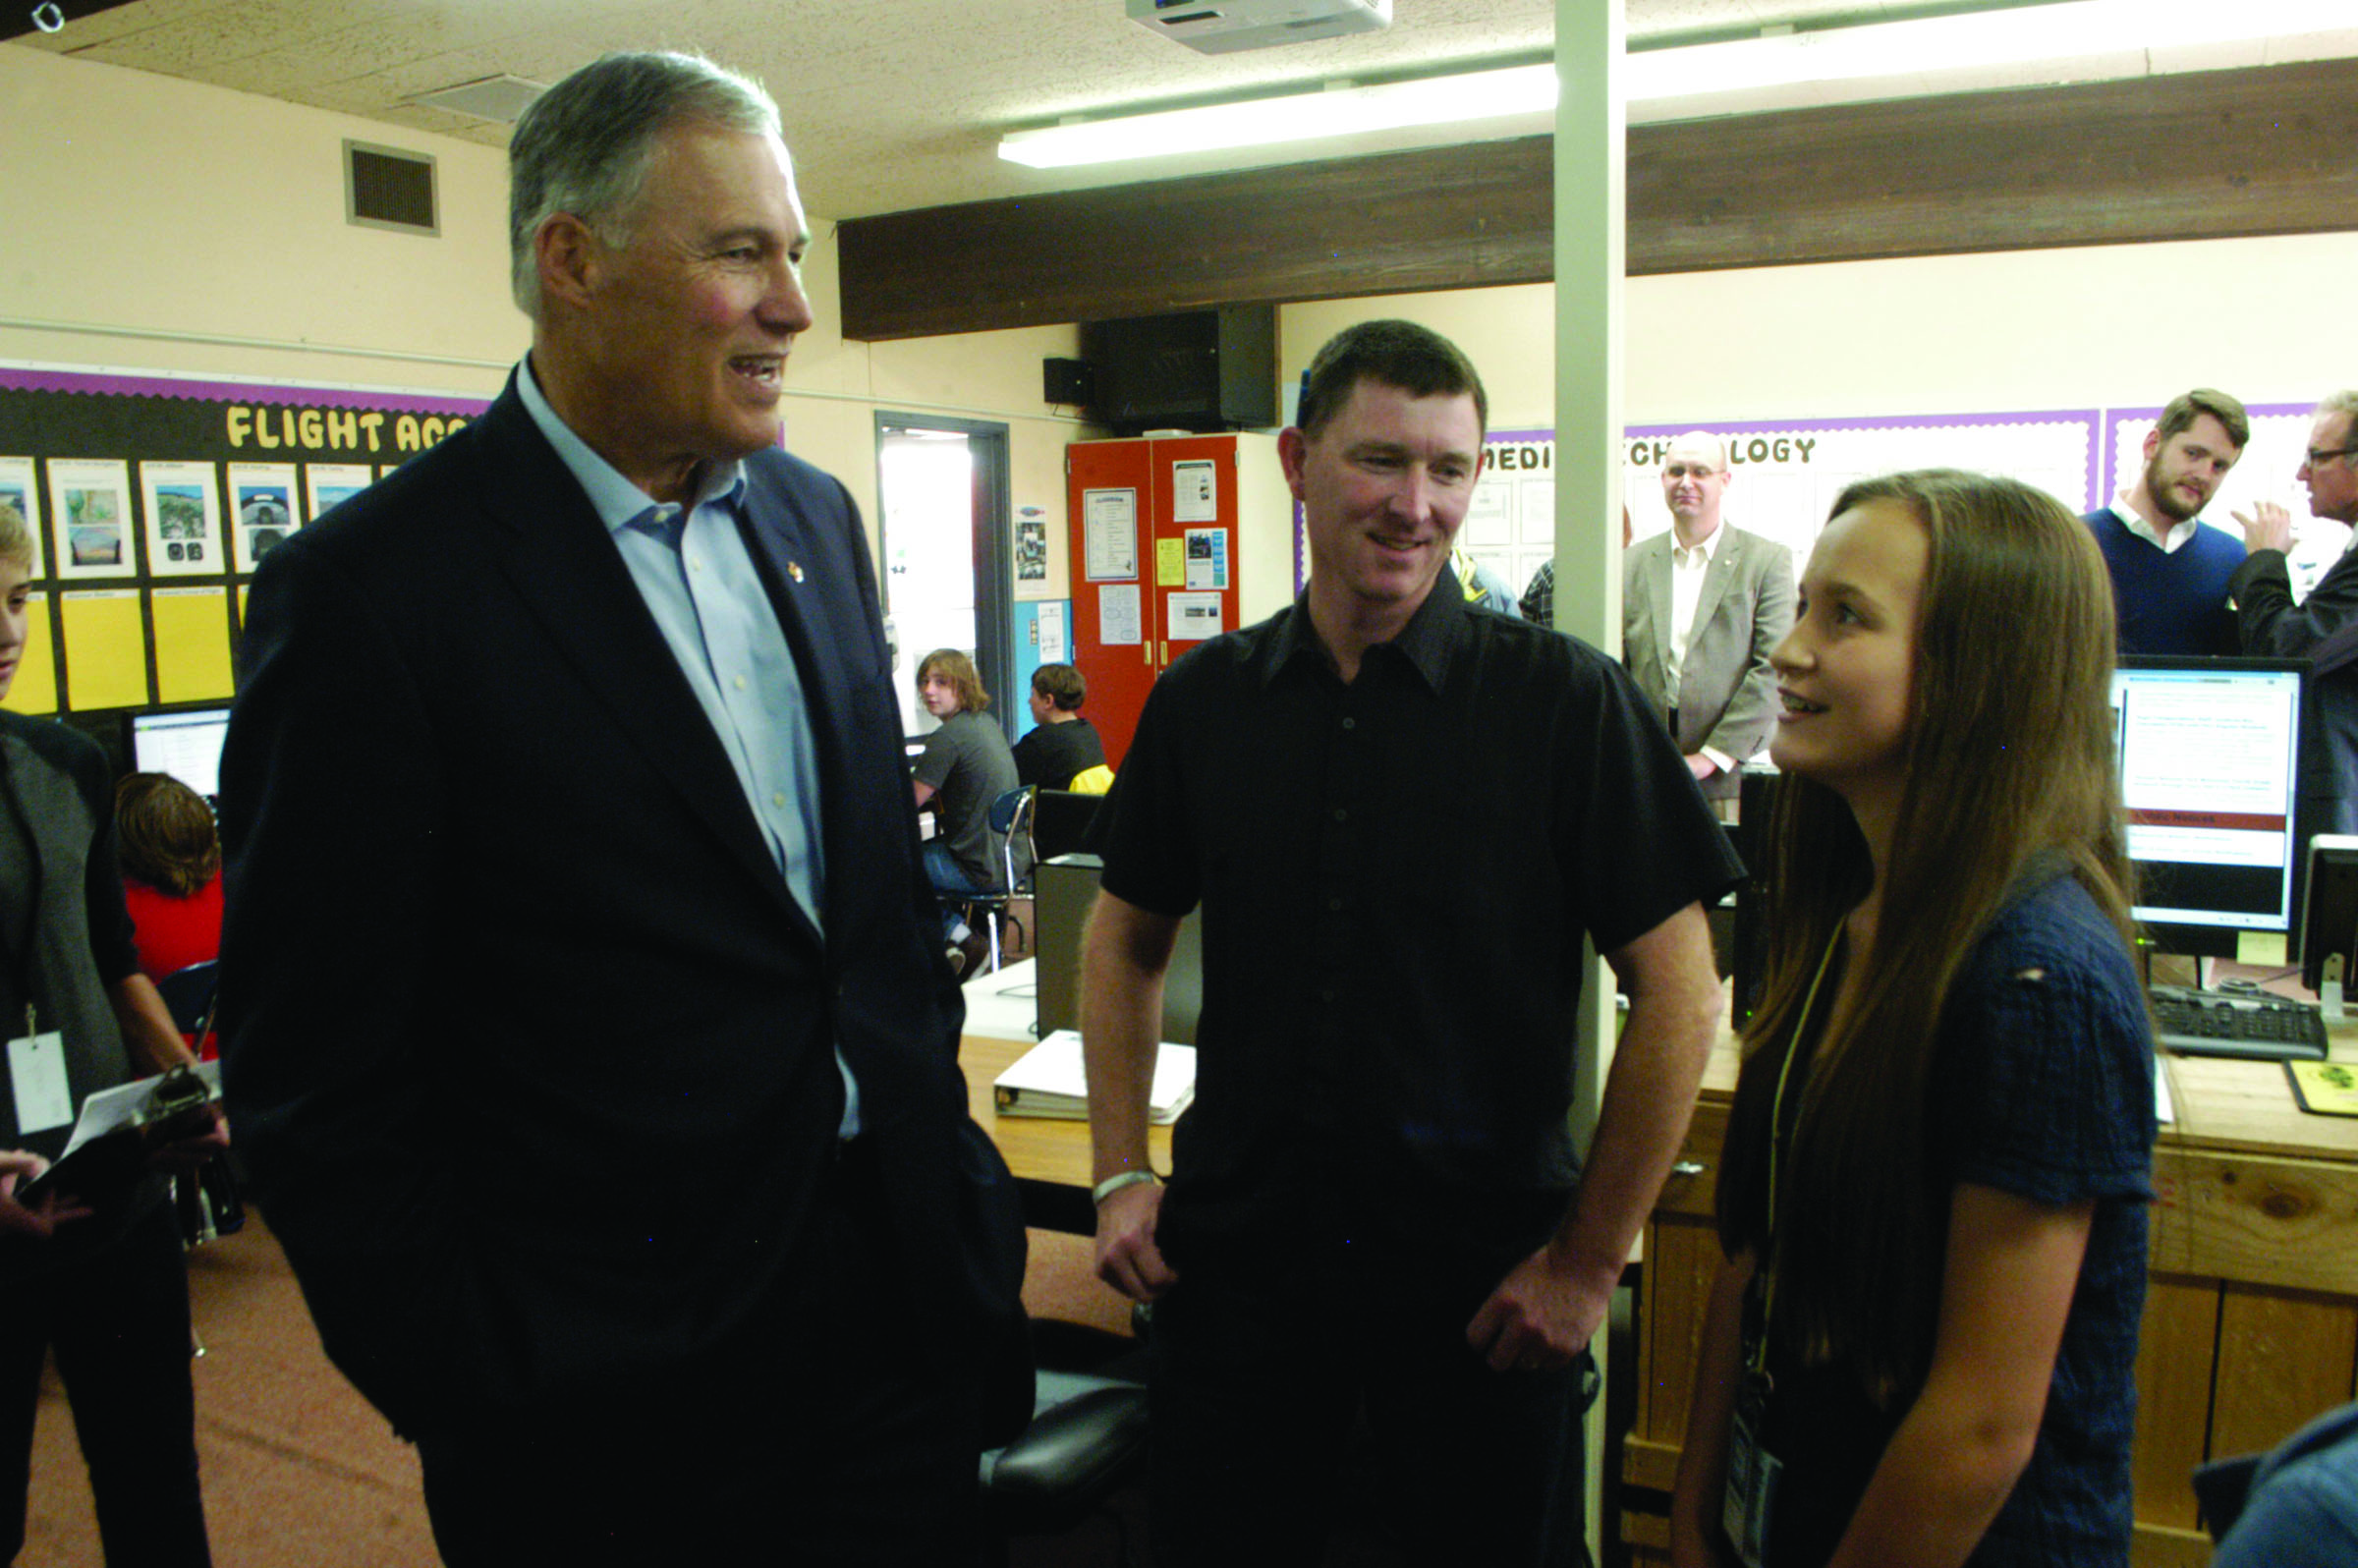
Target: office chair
(188,995)
(1010,817)
(1086,1438)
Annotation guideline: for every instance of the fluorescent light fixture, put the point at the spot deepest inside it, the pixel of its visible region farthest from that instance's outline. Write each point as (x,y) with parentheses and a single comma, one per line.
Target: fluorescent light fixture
(1302,117)
(1972,40)
(2070,30)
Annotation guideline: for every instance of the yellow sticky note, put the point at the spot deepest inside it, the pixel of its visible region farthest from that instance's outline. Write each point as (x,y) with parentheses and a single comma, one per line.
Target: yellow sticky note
(191,643)
(106,649)
(2260,949)
(1170,563)
(34,690)
(2325,1089)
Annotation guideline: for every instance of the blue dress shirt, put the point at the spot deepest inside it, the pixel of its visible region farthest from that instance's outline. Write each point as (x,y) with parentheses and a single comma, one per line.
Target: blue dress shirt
(692,568)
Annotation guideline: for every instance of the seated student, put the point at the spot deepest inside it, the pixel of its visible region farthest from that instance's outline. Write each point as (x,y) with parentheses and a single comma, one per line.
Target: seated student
(965,766)
(1061,742)
(171,855)
(1920,1348)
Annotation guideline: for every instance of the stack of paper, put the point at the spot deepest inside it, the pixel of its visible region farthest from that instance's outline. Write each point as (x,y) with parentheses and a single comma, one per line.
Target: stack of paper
(1048,1079)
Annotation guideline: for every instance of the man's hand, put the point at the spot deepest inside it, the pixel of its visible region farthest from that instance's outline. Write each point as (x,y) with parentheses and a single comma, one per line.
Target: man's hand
(2269,527)
(1540,1318)
(1127,1256)
(1700,767)
(43,1214)
(184,1156)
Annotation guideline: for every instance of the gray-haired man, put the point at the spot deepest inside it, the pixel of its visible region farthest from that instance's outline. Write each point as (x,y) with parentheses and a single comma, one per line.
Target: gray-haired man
(587,1019)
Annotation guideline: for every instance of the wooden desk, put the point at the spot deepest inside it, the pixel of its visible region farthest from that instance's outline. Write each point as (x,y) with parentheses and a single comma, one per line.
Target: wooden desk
(1049,1158)
(2251,1313)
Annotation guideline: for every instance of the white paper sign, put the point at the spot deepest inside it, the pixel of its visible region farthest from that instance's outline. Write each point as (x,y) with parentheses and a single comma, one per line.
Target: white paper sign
(1193,616)
(1118,617)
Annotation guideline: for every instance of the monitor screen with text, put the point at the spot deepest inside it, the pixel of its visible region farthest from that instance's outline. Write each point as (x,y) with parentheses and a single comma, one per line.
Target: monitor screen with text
(2209,775)
(185,744)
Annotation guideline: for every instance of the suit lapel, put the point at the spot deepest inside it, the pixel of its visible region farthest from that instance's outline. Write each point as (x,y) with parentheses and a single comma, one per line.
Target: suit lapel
(559,560)
(1657,606)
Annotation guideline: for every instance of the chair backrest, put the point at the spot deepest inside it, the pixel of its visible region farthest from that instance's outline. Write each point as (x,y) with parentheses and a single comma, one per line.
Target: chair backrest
(1092,780)
(1060,820)
(188,994)
(1011,820)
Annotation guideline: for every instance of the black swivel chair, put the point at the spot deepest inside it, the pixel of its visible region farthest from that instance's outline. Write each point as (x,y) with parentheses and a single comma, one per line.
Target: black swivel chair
(1088,1437)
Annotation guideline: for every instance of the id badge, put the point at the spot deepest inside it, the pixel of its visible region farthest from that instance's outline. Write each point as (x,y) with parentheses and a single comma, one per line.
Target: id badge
(1752,1476)
(36,1070)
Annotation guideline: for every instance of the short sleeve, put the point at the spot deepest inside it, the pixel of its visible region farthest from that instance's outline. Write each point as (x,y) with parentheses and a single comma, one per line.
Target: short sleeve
(938,760)
(2052,1064)
(1639,842)
(1142,831)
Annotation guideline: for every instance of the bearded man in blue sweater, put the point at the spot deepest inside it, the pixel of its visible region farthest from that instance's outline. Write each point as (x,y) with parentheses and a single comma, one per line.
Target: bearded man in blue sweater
(2169,573)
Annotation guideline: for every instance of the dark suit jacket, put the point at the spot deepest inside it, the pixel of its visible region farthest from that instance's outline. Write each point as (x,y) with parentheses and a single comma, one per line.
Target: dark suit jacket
(527,1046)
(1726,697)
(2321,628)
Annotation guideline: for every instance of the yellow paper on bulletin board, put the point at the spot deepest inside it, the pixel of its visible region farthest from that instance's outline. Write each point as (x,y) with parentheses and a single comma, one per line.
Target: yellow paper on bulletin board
(191,645)
(34,690)
(1170,563)
(106,649)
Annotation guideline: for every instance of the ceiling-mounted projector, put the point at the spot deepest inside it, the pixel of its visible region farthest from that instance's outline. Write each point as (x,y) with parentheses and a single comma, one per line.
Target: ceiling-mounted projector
(1224,27)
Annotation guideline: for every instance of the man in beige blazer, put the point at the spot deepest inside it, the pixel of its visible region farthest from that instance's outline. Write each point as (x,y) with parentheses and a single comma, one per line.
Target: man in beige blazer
(1700,607)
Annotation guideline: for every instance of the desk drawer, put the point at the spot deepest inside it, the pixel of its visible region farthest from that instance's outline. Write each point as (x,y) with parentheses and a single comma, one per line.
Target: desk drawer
(1694,1181)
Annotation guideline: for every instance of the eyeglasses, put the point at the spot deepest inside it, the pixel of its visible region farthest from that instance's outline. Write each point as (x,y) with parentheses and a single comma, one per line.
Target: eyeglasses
(2320,456)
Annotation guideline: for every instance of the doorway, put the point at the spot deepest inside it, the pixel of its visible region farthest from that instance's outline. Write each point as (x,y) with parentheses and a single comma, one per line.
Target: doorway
(943,487)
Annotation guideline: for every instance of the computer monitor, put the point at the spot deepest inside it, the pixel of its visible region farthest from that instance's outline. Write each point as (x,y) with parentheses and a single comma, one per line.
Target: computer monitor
(185,743)
(2210,773)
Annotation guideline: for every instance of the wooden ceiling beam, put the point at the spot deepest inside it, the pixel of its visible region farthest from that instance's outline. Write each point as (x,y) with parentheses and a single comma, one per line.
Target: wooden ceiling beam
(2208,156)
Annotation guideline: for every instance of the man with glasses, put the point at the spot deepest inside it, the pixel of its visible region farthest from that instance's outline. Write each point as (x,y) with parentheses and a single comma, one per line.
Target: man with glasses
(2322,629)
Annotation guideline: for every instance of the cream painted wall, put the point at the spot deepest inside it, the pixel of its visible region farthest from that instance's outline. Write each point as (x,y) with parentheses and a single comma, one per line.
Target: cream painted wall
(2101,326)
(163,225)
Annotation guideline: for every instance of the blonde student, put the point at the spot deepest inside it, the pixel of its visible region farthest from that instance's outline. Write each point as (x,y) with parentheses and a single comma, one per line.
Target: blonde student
(1919,1347)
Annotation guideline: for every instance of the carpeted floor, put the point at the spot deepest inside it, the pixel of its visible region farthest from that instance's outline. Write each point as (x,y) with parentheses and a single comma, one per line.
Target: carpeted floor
(299,1473)
(297,1469)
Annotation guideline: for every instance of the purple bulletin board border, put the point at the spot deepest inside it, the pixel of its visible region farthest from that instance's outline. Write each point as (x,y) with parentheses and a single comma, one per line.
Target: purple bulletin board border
(32,378)
(2114,418)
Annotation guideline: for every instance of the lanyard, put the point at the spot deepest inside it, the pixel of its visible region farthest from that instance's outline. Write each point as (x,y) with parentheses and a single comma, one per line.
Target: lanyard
(1776,1143)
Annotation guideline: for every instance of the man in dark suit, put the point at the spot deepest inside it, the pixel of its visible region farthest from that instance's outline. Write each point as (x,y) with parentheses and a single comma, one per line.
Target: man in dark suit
(1700,608)
(2322,629)
(587,1028)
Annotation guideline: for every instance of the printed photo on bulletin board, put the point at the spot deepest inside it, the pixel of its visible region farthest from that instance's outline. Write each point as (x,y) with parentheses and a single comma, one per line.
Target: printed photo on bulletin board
(184,519)
(18,489)
(92,505)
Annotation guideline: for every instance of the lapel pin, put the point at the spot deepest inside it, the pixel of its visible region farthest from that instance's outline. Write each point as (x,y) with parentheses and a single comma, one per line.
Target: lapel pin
(794,569)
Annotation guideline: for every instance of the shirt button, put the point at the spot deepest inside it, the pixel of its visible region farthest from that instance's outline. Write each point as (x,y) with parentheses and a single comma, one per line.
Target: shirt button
(1335,905)
(739,682)
(1350,724)
(695,563)
(777,798)
(1341,815)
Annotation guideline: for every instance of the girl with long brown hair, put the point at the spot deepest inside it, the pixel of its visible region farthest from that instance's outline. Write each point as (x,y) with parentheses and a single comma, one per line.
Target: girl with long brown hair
(1920,1348)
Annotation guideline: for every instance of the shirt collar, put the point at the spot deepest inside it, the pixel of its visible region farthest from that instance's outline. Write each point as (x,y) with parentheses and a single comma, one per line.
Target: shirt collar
(1427,642)
(2179,532)
(1709,546)
(616,500)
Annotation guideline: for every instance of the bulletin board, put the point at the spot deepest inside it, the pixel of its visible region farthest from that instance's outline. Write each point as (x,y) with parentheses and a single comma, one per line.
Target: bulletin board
(154,496)
(1785,475)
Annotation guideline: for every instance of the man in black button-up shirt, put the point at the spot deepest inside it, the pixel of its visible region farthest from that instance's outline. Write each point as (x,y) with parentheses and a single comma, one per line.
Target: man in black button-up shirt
(1400,815)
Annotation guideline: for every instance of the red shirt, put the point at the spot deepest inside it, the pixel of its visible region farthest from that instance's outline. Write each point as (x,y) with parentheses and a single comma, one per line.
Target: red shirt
(174,932)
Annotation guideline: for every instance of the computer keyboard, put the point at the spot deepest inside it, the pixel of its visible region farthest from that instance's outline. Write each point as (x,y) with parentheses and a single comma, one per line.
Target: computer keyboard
(2236,1024)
